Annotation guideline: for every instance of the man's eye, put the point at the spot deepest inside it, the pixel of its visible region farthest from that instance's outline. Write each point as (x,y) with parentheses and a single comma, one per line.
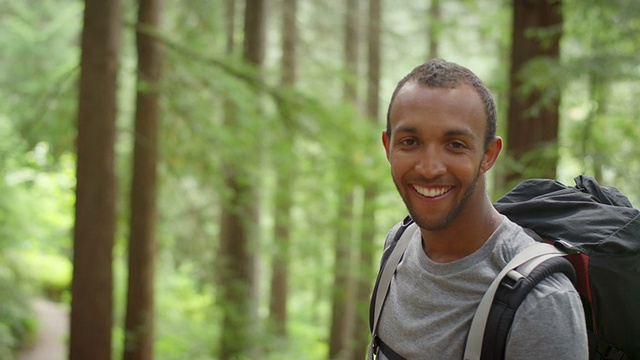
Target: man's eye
(458,145)
(408,142)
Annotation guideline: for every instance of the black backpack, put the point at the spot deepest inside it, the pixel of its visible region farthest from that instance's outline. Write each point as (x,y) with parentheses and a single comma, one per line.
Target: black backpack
(600,228)
(600,231)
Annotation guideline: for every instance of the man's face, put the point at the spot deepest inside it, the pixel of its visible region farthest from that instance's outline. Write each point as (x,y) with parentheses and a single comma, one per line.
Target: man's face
(437,153)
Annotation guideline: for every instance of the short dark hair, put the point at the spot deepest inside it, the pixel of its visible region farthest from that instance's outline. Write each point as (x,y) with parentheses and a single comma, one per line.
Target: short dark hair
(439,73)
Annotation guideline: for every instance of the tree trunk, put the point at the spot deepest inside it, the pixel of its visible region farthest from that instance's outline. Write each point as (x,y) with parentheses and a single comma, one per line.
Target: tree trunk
(433,30)
(280,260)
(532,136)
(94,229)
(230,25)
(591,155)
(343,300)
(367,236)
(142,240)
(239,213)
(284,187)
(236,270)
(343,295)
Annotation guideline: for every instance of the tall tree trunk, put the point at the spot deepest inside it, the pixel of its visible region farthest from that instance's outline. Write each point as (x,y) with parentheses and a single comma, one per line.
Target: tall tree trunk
(284,187)
(94,229)
(367,236)
(433,29)
(591,154)
(343,299)
(142,239)
(239,213)
(343,296)
(532,136)
(236,269)
(230,25)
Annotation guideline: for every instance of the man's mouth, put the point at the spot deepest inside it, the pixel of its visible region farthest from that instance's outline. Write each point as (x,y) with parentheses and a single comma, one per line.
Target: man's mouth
(432,191)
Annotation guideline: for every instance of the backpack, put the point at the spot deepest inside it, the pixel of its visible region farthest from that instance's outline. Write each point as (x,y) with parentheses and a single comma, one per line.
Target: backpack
(601,229)
(594,229)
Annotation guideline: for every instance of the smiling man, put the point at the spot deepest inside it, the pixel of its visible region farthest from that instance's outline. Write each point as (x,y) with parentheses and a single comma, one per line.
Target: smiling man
(440,142)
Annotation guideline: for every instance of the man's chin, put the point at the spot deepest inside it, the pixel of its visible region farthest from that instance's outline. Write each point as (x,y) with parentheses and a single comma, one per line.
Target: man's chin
(429,223)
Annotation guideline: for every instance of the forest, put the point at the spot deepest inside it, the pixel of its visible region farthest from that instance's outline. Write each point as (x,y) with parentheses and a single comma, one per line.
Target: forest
(205,179)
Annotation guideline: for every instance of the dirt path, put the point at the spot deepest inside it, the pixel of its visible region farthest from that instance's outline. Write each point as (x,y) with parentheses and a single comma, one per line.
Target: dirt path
(52,337)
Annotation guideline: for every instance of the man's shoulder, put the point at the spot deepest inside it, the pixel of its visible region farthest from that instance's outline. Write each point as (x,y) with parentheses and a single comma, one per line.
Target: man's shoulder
(392,233)
(551,313)
(511,238)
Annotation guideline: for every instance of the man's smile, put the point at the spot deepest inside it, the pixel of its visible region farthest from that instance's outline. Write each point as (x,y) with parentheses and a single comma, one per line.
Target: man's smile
(433,191)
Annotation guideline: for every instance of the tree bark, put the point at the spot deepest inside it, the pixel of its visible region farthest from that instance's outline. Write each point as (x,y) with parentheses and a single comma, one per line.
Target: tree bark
(139,322)
(591,154)
(344,291)
(433,29)
(239,213)
(94,228)
(367,241)
(284,187)
(230,25)
(236,270)
(532,136)
(343,294)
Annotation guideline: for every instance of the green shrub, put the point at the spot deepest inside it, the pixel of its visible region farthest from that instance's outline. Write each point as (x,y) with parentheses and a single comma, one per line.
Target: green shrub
(49,273)
(18,324)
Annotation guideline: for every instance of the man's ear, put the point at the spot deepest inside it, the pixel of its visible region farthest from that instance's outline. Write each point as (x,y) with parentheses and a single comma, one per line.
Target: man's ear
(385,142)
(491,154)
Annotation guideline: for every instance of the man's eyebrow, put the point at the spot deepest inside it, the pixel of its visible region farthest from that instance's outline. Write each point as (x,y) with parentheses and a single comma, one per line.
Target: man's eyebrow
(448,133)
(406,129)
(460,132)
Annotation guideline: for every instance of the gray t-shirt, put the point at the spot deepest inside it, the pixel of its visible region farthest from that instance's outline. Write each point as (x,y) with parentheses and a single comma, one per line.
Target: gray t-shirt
(429,307)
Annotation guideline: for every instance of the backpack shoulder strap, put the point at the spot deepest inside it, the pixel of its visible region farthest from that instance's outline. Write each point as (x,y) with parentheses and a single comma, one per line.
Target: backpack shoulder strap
(383,282)
(534,255)
(508,298)
(383,260)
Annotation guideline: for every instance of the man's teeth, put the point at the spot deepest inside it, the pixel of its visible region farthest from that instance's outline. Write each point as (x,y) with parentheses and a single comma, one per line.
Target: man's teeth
(431,192)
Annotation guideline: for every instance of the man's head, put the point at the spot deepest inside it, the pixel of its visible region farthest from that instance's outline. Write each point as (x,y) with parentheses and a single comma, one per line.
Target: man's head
(440,140)
(442,74)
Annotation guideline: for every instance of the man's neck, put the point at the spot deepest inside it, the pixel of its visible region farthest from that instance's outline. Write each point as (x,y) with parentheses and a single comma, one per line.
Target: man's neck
(463,237)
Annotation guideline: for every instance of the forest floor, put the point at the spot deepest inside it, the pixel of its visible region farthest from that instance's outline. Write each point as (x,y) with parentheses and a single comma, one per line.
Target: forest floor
(52,333)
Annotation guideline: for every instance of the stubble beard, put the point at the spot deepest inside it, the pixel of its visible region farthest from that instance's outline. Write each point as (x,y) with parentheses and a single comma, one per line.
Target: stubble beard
(429,225)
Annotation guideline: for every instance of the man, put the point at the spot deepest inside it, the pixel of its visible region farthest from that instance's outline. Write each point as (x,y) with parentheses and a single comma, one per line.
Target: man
(440,141)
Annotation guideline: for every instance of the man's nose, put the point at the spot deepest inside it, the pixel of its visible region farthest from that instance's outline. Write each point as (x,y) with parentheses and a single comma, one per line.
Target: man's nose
(431,163)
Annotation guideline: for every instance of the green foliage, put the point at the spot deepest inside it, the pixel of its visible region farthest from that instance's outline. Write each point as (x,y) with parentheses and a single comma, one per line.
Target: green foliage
(39,70)
(36,131)
(49,272)
(18,326)
(34,195)
(601,84)
(36,201)
(186,315)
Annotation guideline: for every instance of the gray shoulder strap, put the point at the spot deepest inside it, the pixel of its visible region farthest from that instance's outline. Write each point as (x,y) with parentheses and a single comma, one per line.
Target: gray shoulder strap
(525,261)
(385,279)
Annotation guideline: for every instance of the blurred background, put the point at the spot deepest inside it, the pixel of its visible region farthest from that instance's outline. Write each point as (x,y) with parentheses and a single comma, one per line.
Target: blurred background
(205,179)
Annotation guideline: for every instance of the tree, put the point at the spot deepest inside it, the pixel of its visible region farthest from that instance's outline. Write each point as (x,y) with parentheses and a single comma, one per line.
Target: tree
(239,213)
(343,296)
(433,29)
(94,230)
(367,241)
(139,322)
(533,114)
(284,187)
